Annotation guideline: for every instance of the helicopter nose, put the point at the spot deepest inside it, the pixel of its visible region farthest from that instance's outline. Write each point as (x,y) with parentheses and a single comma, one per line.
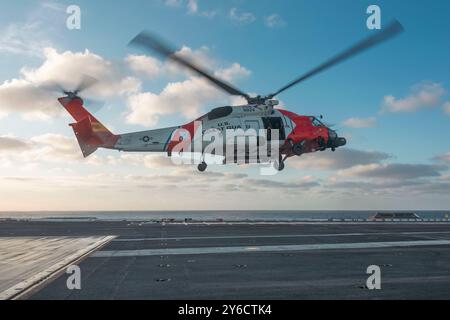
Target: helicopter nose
(332,134)
(340,142)
(336,141)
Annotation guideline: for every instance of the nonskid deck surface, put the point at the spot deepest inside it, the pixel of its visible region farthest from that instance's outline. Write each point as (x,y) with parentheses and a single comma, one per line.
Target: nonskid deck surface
(26,262)
(251,261)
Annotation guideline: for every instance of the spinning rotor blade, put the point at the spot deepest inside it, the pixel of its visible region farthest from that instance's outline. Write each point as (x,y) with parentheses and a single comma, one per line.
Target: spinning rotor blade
(86,82)
(151,42)
(390,31)
(94,106)
(52,86)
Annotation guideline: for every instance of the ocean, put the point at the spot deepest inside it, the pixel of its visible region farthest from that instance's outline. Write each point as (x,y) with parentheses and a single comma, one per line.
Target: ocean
(212,215)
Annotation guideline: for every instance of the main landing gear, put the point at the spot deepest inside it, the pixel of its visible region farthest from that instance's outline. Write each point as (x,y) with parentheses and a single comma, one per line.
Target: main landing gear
(202,166)
(279,164)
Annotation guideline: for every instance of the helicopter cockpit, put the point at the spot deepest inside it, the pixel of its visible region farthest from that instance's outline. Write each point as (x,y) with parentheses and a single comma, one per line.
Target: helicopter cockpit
(220,112)
(316,122)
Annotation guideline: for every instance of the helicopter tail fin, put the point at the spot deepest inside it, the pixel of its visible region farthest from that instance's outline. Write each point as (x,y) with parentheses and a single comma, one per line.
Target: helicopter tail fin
(90,133)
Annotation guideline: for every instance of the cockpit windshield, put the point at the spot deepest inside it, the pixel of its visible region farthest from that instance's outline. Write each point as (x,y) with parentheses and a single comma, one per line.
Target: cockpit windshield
(316,122)
(220,113)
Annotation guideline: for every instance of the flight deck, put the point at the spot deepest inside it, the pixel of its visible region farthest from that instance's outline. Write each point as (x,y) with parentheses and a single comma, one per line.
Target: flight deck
(220,260)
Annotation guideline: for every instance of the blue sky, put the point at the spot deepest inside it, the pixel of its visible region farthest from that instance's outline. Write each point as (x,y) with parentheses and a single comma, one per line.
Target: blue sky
(272,42)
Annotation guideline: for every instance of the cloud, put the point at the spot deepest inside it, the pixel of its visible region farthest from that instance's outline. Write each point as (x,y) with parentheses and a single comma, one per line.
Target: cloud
(274,21)
(241,17)
(8,143)
(360,123)
(233,73)
(188,97)
(23,39)
(190,180)
(47,148)
(200,56)
(25,96)
(376,187)
(174,3)
(433,188)
(425,95)
(447,108)
(341,159)
(149,161)
(394,189)
(444,158)
(146,65)
(192,7)
(55,147)
(136,174)
(53,6)
(395,171)
(395,180)
(304,183)
(67,68)
(153,68)
(30,36)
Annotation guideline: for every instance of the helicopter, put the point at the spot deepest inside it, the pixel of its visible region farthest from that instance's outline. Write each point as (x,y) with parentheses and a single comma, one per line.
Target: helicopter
(296,134)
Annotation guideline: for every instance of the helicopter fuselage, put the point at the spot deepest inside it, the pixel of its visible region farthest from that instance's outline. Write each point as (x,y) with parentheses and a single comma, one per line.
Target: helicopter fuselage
(228,123)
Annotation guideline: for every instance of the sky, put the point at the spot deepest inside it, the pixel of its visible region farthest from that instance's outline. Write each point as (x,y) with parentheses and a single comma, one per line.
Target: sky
(391,103)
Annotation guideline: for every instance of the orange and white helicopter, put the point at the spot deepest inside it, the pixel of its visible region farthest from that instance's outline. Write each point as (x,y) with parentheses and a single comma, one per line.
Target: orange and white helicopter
(297,134)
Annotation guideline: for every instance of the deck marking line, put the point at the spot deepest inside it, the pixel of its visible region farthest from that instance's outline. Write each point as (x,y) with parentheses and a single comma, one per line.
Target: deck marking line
(280,236)
(304,247)
(20,289)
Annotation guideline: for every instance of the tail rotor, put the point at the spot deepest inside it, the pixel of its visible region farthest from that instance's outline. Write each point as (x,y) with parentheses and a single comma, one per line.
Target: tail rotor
(86,82)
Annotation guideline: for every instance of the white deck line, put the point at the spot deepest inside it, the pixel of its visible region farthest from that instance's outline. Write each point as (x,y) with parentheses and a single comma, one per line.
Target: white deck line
(247,249)
(38,279)
(302,222)
(281,236)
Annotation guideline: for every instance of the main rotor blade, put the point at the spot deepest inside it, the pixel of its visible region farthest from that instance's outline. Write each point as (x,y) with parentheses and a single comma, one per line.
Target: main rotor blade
(149,41)
(390,31)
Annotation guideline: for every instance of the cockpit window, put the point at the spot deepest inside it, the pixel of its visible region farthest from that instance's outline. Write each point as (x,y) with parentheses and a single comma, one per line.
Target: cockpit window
(220,113)
(316,122)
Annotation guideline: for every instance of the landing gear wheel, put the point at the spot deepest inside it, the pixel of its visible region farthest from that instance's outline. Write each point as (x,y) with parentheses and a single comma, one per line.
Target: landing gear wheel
(297,149)
(279,164)
(202,167)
